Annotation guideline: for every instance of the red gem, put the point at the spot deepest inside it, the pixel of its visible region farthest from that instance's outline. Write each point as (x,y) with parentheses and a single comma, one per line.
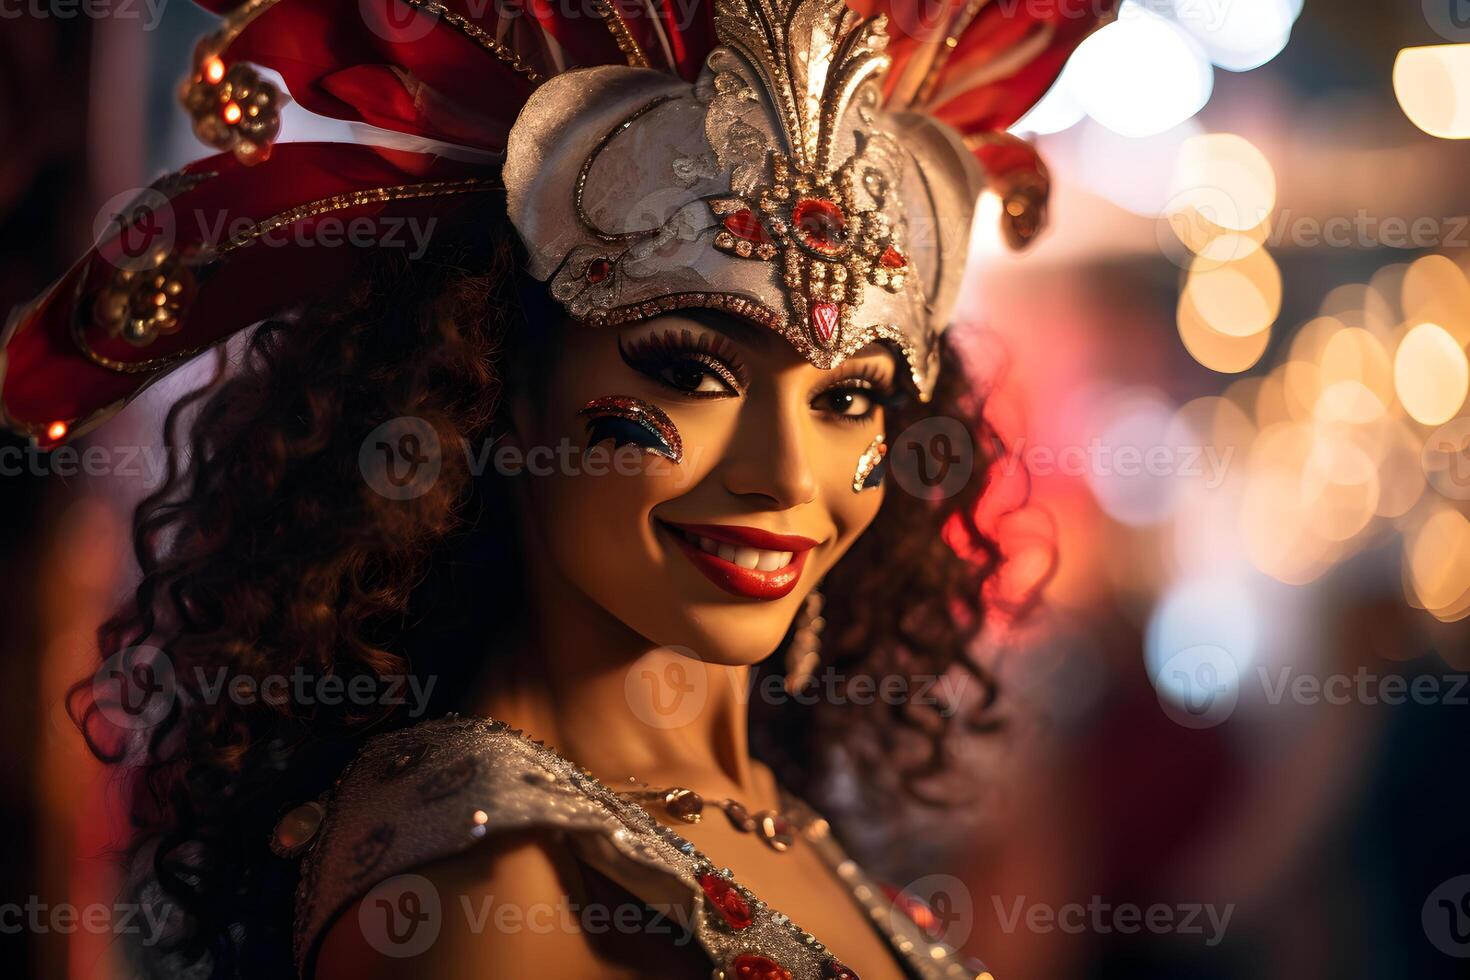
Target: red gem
(727,900)
(748,966)
(892,258)
(824,321)
(835,970)
(744,224)
(598,270)
(916,909)
(821,224)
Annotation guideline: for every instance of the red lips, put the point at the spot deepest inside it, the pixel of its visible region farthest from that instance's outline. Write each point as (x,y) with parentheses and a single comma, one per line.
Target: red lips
(749,583)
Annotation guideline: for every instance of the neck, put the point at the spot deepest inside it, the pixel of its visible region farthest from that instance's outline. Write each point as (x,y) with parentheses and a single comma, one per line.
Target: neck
(612,702)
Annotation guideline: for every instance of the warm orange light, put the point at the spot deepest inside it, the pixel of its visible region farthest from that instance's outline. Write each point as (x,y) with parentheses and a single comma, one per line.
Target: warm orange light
(1221,352)
(1429,83)
(1431,374)
(56,431)
(231,113)
(1224,180)
(214,69)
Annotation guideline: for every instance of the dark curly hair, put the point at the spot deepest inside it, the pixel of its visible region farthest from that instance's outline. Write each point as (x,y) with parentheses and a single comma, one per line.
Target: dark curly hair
(265,551)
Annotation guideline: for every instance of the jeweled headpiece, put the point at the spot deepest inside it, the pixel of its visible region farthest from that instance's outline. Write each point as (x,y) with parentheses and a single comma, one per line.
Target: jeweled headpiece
(809,165)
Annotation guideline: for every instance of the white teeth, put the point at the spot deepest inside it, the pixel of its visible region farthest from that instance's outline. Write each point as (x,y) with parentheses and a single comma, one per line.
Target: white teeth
(752,558)
(772,560)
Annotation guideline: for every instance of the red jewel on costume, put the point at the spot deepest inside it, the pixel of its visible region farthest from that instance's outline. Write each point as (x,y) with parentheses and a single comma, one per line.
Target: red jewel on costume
(820,223)
(917,910)
(836,970)
(749,966)
(892,258)
(744,224)
(726,900)
(598,270)
(824,321)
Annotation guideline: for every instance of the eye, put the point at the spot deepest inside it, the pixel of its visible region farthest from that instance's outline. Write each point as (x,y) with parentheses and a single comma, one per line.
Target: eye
(853,400)
(700,367)
(694,376)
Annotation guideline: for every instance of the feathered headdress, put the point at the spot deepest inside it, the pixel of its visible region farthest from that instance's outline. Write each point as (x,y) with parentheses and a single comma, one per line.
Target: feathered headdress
(810,165)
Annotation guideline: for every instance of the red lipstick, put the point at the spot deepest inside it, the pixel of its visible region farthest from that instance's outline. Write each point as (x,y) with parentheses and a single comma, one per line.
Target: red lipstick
(734,542)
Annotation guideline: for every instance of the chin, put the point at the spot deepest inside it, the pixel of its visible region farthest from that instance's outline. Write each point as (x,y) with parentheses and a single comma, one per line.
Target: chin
(729,636)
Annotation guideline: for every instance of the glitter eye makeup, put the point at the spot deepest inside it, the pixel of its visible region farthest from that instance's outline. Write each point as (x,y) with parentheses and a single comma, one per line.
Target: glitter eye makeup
(702,366)
(870,466)
(632,421)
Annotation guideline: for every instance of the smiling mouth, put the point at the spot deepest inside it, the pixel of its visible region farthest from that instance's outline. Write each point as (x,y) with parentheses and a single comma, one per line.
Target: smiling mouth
(744,561)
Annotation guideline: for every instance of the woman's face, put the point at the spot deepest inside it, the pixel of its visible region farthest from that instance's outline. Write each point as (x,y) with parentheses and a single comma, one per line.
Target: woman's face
(717,552)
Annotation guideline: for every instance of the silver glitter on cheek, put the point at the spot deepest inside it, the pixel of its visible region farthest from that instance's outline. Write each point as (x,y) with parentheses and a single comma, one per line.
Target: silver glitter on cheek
(868,474)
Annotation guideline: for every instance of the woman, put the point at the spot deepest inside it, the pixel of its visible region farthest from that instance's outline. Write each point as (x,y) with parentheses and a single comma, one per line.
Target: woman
(567,477)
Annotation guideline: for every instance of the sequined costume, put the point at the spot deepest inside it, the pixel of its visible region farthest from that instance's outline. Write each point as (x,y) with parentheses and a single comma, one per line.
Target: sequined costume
(432,791)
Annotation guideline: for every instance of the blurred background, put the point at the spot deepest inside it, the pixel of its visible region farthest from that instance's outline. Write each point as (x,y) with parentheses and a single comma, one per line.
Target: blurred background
(1232,378)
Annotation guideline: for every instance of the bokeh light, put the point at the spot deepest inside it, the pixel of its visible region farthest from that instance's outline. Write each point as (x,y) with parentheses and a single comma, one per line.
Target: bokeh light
(1431,84)
(1430,374)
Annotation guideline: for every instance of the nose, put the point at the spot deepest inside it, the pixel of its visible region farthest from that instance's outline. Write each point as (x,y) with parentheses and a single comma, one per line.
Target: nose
(768,458)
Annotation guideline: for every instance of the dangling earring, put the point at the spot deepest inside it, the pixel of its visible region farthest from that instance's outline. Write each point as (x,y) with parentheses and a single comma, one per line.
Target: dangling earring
(870,466)
(804,651)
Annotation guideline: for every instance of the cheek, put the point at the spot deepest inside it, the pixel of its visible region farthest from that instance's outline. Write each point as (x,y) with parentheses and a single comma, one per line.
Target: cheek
(594,508)
(851,512)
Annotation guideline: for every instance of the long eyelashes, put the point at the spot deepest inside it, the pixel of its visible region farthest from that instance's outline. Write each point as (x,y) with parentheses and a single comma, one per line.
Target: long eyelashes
(662,356)
(632,421)
(871,465)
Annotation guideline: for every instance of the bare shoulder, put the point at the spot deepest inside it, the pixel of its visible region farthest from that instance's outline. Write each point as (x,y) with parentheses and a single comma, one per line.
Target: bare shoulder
(504,908)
